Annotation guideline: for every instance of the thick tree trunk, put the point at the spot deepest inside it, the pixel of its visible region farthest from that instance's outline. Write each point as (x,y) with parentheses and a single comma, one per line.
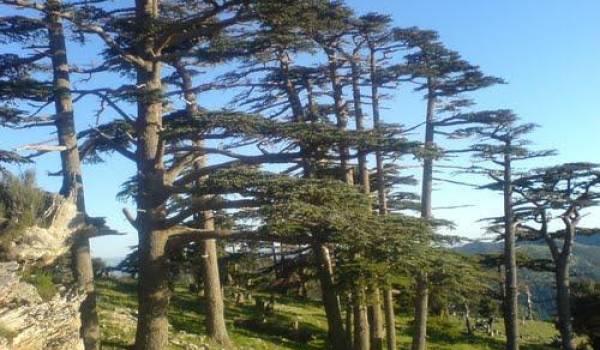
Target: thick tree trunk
(390,318)
(421,310)
(361,324)
(152,331)
(72,179)
(510,262)
(330,298)
(153,288)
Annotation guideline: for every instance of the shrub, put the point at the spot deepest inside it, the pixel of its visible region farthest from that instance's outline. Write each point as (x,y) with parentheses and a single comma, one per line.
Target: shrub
(43,281)
(22,204)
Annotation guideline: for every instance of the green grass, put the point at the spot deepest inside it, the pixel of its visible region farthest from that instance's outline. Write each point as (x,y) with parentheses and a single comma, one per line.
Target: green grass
(117,303)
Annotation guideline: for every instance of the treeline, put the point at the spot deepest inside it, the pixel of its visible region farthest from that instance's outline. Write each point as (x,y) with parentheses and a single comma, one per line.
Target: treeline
(299,158)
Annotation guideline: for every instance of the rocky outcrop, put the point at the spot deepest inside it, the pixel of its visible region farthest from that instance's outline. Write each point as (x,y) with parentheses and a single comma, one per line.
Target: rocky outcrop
(27,322)
(44,244)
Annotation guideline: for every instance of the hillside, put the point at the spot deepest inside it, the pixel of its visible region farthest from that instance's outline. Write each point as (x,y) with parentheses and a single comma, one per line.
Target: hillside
(118,311)
(586,259)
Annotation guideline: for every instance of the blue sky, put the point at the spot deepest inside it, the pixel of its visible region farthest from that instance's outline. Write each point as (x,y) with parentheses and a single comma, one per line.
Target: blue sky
(547,50)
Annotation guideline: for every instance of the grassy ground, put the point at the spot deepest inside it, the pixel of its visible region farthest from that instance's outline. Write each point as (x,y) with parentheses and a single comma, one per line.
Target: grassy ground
(117,303)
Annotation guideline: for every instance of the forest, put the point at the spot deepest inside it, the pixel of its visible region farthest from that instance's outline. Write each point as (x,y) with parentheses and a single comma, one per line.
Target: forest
(274,207)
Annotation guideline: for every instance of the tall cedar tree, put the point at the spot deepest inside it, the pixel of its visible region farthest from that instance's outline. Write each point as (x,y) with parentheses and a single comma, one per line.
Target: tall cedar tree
(443,75)
(503,145)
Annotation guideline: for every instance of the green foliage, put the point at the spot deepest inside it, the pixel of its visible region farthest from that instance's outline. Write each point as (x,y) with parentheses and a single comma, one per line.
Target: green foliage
(22,204)
(43,281)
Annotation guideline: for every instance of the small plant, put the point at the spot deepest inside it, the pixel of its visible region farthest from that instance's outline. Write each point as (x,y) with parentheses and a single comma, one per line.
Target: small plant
(43,281)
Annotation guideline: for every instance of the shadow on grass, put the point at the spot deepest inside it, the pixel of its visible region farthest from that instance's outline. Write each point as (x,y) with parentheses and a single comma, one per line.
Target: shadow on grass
(187,314)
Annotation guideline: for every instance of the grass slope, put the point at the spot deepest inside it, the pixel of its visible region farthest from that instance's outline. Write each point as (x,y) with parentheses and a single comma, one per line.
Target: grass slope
(117,303)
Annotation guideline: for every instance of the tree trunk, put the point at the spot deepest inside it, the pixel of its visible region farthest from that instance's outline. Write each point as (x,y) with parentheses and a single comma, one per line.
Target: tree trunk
(361,324)
(330,298)
(421,309)
(422,302)
(390,322)
(349,322)
(72,179)
(468,321)
(152,331)
(381,197)
(213,294)
(511,318)
(153,288)
(563,303)
(374,309)
(375,320)
(529,303)
(390,318)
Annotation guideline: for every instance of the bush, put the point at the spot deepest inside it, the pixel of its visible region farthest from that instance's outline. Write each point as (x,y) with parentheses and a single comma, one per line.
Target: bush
(22,204)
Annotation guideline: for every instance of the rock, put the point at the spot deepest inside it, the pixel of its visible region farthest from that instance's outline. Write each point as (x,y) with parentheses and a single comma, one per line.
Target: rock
(29,323)
(44,245)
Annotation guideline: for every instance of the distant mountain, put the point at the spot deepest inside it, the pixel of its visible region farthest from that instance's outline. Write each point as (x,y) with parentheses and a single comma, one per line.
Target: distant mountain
(585,263)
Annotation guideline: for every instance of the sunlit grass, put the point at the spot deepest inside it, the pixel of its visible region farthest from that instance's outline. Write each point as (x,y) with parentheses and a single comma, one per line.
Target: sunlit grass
(117,303)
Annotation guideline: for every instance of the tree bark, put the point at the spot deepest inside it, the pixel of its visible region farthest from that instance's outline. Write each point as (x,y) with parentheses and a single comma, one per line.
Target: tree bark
(390,318)
(421,311)
(375,320)
(381,197)
(422,302)
(153,289)
(562,261)
(213,294)
(152,331)
(374,308)
(468,320)
(349,322)
(529,303)
(563,304)
(511,324)
(361,324)
(72,185)
(216,327)
(330,299)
